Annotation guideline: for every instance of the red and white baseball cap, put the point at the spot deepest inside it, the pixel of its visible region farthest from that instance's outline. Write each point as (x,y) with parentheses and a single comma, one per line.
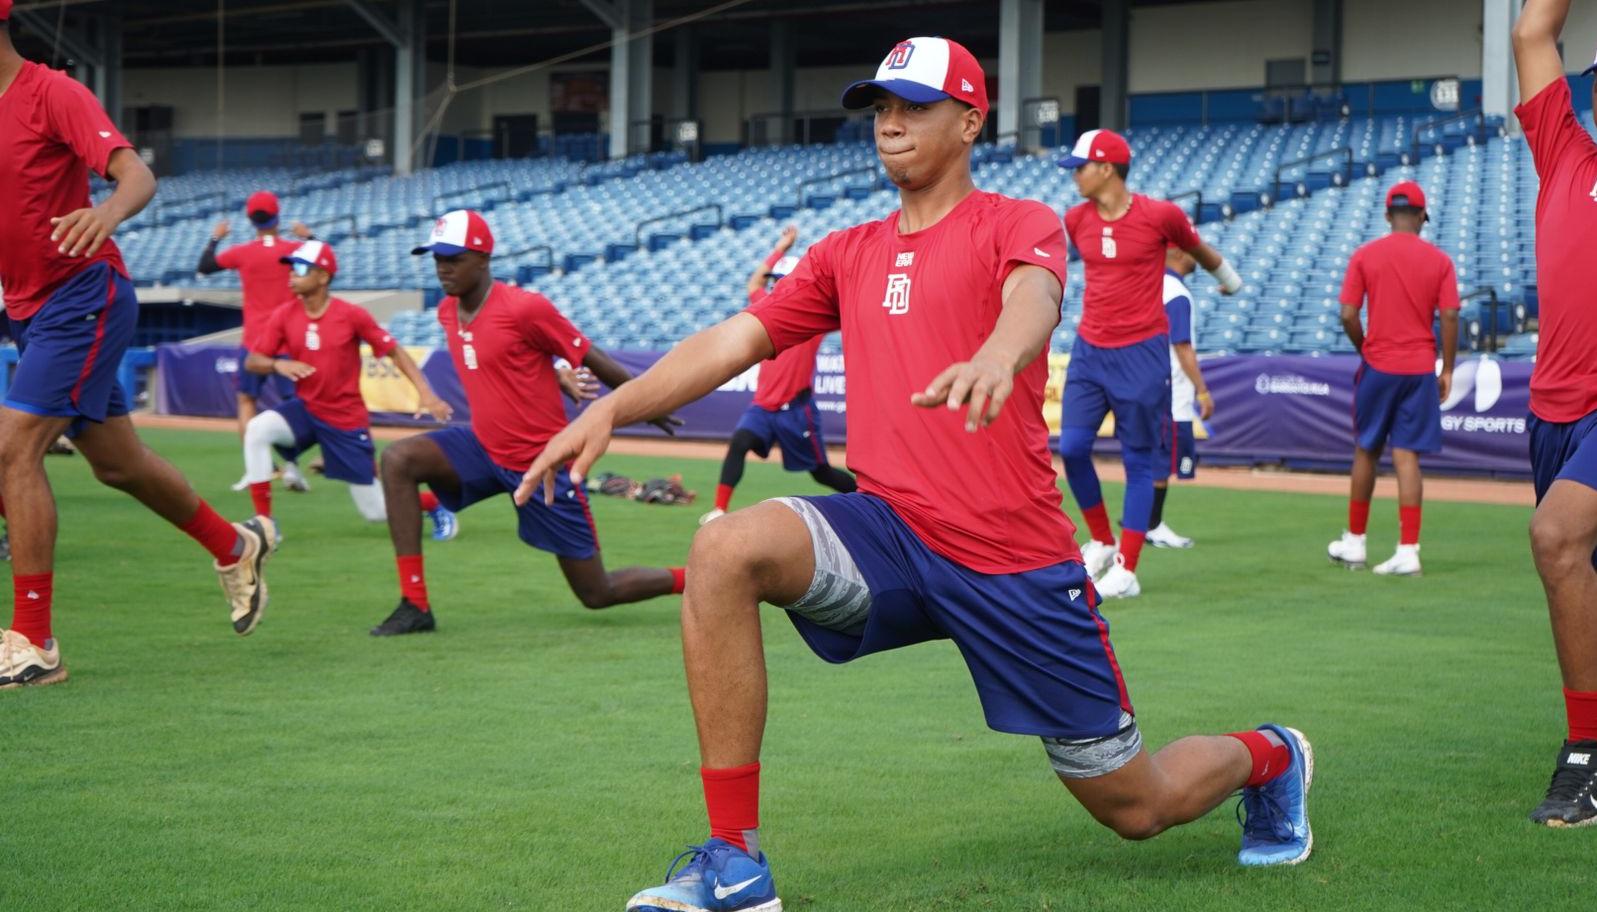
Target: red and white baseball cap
(1098,146)
(924,70)
(259,201)
(458,232)
(314,253)
(5,10)
(1405,195)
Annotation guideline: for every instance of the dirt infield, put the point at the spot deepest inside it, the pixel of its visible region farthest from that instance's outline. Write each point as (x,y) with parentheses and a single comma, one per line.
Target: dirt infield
(1461,490)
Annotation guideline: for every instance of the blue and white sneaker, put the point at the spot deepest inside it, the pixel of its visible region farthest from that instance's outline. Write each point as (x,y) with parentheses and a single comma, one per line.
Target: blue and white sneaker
(719,877)
(445,525)
(1276,830)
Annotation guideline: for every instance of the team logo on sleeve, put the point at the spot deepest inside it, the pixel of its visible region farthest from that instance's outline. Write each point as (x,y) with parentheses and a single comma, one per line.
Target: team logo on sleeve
(897,299)
(898,57)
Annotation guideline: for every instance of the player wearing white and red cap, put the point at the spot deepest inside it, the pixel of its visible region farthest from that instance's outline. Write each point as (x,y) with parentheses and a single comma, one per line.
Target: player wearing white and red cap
(1397,394)
(1120,361)
(263,281)
(73,310)
(1563,397)
(956,532)
(503,342)
(321,336)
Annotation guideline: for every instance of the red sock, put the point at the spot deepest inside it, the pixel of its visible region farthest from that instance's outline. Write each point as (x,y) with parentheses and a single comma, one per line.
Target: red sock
(1269,759)
(1131,547)
(1581,707)
(1408,524)
(429,501)
(679,580)
(216,534)
(412,580)
(261,496)
(31,606)
(723,496)
(2,508)
(1358,516)
(1098,523)
(732,797)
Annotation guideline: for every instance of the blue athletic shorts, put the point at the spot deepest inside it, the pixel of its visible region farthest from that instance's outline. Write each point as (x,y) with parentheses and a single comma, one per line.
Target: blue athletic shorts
(565,529)
(72,348)
(1178,452)
(1133,382)
(795,426)
(347,455)
(1034,642)
(1565,451)
(254,385)
(1404,410)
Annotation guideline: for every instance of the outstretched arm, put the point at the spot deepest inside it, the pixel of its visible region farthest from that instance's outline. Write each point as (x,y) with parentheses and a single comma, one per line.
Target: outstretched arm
(1031,310)
(697,365)
(1536,45)
(428,402)
(1215,264)
(612,374)
(756,283)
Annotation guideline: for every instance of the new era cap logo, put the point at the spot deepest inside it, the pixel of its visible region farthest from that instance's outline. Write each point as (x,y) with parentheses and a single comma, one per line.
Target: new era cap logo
(898,57)
(105,134)
(965,86)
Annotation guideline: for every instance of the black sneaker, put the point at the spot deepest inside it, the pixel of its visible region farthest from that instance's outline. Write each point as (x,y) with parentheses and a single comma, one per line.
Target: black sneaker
(407,618)
(5,546)
(1570,801)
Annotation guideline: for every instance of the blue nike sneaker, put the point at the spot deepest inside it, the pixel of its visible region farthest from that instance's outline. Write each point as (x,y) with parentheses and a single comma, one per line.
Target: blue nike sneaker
(445,525)
(1276,830)
(719,877)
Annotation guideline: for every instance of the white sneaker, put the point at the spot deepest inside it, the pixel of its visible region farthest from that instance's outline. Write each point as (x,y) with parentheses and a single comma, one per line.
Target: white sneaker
(1162,536)
(243,483)
(1118,582)
(1098,557)
(1348,551)
(1405,562)
(242,581)
(23,664)
(293,480)
(711,516)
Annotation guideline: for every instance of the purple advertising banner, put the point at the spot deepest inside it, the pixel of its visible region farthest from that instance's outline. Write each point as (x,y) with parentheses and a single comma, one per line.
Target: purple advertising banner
(1289,410)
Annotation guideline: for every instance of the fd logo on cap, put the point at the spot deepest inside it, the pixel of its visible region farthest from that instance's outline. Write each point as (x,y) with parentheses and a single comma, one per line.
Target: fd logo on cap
(898,57)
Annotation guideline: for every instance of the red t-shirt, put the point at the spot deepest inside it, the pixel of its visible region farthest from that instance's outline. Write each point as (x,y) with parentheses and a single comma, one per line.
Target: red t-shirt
(1563,385)
(909,305)
(331,344)
(264,277)
(505,358)
(786,375)
(52,131)
(1407,279)
(1123,303)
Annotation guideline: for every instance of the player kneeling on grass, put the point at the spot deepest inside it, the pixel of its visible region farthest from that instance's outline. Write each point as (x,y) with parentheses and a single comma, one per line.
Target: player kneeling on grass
(946,308)
(784,409)
(504,342)
(322,335)
(1397,395)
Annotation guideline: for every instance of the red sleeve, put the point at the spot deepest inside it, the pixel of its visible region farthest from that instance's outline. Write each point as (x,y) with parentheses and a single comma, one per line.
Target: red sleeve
(75,118)
(1551,130)
(1176,227)
(1032,234)
(1353,282)
(367,329)
(804,304)
(757,296)
(232,257)
(272,339)
(549,330)
(1447,294)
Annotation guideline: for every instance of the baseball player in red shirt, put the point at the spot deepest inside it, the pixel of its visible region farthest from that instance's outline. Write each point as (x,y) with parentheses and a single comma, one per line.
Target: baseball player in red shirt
(73,310)
(1397,394)
(1563,397)
(263,279)
(783,411)
(946,308)
(504,342)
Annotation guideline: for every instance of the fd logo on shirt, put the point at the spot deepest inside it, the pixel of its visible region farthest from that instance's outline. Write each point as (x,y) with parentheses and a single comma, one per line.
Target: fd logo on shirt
(1109,248)
(467,353)
(897,300)
(313,338)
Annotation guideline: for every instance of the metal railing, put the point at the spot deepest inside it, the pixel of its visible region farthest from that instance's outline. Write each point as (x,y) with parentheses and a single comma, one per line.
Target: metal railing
(801,127)
(475,192)
(548,252)
(1197,208)
(672,216)
(1343,152)
(798,189)
(354,226)
(219,195)
(1436,123)
(1492,303)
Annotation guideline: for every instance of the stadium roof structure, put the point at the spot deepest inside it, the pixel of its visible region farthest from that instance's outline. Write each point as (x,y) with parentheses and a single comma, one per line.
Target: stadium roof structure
(511,32)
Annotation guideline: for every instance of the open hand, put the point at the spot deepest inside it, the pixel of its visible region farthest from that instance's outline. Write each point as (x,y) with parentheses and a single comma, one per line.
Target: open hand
(440,410)
(581,444)
(82,232)
(293,370)
(984,384)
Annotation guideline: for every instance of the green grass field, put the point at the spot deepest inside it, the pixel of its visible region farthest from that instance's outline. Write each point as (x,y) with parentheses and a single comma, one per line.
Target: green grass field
(534,755)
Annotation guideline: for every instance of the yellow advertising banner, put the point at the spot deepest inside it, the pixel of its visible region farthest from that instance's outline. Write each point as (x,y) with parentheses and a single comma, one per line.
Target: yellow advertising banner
(383,387)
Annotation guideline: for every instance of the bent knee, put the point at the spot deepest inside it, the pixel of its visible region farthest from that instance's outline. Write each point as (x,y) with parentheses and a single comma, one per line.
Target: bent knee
(1554,541)
(1135,824)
